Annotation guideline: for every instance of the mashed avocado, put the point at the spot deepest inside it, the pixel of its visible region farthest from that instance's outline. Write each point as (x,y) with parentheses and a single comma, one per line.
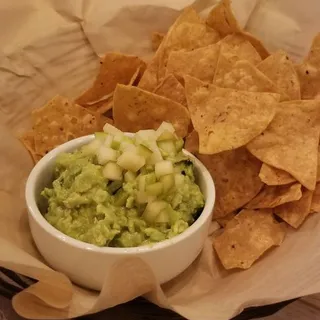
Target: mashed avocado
(142,207)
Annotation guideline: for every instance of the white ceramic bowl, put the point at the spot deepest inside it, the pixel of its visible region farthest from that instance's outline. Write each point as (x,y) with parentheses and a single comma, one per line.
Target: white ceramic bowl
(88,265)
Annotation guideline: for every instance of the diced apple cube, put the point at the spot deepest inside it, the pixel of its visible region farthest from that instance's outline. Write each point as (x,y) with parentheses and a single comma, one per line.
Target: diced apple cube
(105,154)
(112,171)
(131,161)
(163,168)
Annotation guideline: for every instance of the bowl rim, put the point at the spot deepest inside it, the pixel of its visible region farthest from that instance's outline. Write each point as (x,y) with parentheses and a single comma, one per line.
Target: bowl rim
(35,213)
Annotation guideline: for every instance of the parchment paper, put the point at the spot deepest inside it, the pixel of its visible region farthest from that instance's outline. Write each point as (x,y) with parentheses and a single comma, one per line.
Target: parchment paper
(52,46)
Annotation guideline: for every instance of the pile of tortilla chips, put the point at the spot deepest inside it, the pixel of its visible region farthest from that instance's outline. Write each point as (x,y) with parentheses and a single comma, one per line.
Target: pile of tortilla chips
(252,117)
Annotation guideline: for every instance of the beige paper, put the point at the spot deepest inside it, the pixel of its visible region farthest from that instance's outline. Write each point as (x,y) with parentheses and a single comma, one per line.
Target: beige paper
(52,47)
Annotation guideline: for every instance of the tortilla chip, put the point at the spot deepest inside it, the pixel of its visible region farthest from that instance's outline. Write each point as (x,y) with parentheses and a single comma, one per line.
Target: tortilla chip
(115,68)
(235,174)
(187,33)
(28,141)
(256,43)
(295,213)
(242,75)
(280,69)
(222,19)
(235,47)
(59,121)
(224,220)
(156,40)
(200,63)
(135,109)
(192,142)
(275,177)
(315,203)
(101,106)
(318,166)
(273,196)
(309,72)
(172,89)
(186,36)
(247,237)
(226,119)
(291,141)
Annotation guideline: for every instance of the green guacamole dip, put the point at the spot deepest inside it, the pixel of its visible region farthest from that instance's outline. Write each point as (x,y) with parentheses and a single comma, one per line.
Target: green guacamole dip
(85,205)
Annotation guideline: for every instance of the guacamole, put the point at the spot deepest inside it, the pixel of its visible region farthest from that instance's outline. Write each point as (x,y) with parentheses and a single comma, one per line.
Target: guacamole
(89,202)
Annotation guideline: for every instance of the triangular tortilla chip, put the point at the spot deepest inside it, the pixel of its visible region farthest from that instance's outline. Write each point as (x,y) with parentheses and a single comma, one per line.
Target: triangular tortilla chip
(273,196)
(200,63)
(135,109)
(115,68)
(309,72)
(247,237)
(172,89)
(235,47)
(280,69)
(28,141)
(242,75)
(224,220)
(294,213)
(235,174)
(291,141)
(275,177)
(101,106)
(226,119)
(59,121)
(187,33)
(256,43)
(222,19)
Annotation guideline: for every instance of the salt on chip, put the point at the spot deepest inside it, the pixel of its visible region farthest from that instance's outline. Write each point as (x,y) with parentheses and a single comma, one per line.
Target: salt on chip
(200,63)
(290,143)
(242,75)
(115,68)
(275,177)
(273,196)
(187,33)
(172,89)
(247,237)
(136,109)
(309,72)
(294,213)
(280,69)
(235,47)
(59,121)
(235,174)
(226,119)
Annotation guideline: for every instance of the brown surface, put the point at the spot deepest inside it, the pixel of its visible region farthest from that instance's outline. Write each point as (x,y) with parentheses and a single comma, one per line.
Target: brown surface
(307,308)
